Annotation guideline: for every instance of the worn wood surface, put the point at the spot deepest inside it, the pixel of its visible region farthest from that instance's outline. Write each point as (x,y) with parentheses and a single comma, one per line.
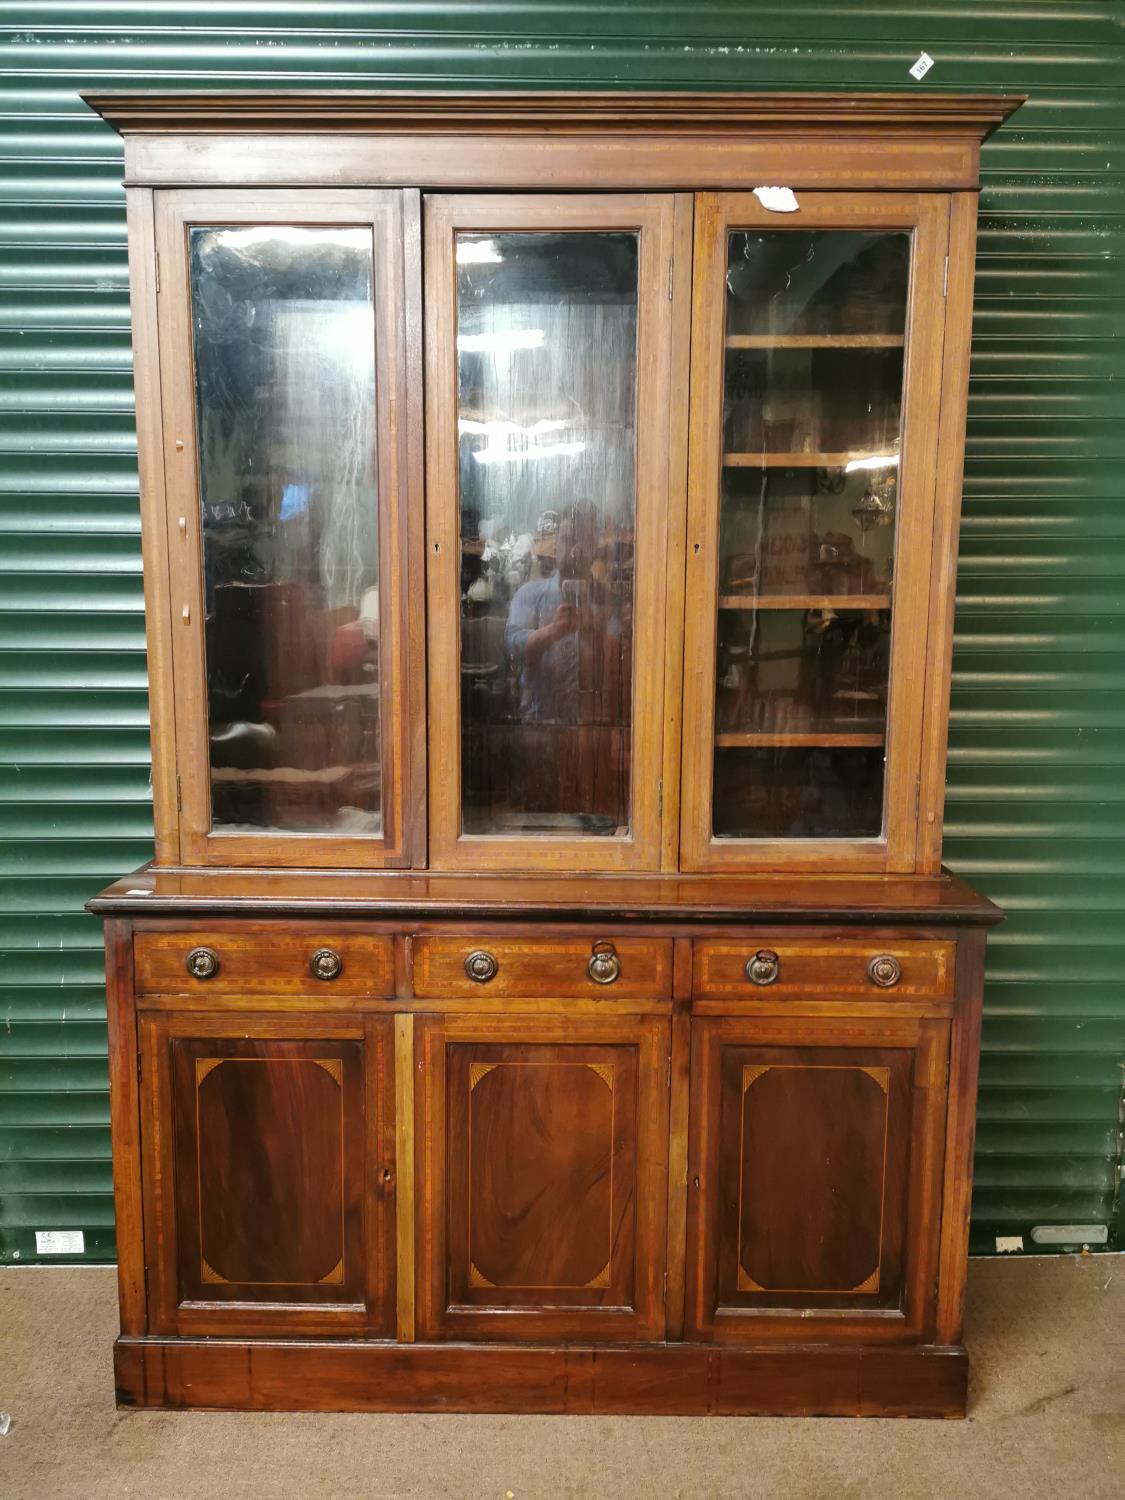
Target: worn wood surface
(540,1147)
(743,1200)
(683,1379)
(260,959)
(393,895)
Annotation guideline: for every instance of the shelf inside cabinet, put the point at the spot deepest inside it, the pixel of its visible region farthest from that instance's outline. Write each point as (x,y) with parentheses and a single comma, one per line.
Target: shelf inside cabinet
(751,741)
(794,460)
(805,601)
(815,341)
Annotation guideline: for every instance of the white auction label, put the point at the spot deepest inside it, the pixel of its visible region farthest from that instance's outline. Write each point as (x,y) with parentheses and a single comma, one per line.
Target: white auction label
(59,1241)
(781,200)
(922,66)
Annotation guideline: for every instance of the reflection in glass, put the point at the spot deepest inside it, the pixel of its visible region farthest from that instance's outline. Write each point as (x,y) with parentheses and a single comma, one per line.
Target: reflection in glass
(815,335)
(283,327)
(546,361)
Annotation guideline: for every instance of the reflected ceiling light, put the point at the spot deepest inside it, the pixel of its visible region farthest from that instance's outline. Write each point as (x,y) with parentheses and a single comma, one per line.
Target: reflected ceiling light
(296,234)
(876,461)
(503,429)
(478,252)
(500,343)
(527,454)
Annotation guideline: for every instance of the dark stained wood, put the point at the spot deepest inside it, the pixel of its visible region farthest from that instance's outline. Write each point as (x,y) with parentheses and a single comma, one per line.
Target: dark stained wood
(812,1176)
(395,895)
(961,1125)
(803,1174)
(257,1161)
(405,111)
(403,1190)
(691,1380)
(125,1124)
(540,1154)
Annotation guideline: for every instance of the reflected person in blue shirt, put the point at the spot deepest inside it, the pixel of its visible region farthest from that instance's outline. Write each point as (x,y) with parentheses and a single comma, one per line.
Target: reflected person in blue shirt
(551,614)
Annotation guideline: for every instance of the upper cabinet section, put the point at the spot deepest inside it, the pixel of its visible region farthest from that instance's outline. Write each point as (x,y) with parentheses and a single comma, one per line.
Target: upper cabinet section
(548,384)
(281,351)
(817,363)
(520,492)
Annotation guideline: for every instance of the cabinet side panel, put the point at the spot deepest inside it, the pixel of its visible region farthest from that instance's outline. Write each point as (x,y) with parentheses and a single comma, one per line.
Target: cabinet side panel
(964,1069)
(124,1112)
(947,521)
(143,273)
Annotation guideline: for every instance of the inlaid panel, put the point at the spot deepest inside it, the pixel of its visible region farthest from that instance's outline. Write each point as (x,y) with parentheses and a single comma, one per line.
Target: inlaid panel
(542,1190)
(546,1190)
(261,1143)
(263,1120)
(816,1162)
(816,1181)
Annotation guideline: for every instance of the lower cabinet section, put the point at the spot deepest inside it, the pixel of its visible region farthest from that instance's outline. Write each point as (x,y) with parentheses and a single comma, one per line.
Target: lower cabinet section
(541,1176)
(269,1152)
(815,1178)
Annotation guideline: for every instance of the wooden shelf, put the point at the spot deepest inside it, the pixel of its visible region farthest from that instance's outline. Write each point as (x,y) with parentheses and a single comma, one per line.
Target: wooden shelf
(792,460)
(804,601)
(740,741)
(816,341)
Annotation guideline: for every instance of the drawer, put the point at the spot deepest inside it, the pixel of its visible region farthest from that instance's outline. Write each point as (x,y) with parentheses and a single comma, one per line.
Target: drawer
(229,962)
(823,970)
(486,966)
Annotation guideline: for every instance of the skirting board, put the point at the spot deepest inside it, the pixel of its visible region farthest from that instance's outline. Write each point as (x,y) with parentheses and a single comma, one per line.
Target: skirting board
(661,1380)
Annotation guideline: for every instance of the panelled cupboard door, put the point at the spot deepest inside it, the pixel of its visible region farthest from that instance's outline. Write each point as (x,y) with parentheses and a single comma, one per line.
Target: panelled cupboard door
(815,1178)
(541,1182)
(554,505)
(268,1149)
(282,321)
(817,340)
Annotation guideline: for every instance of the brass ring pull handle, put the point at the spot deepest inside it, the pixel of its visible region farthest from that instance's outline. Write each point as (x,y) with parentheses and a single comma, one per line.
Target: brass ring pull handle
(325,963)
(884,971)
(604,965)
(202,963)
(481,966)
(763,968)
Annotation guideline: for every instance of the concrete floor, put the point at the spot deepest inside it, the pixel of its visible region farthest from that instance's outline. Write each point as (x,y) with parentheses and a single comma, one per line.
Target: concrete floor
(1047,1419)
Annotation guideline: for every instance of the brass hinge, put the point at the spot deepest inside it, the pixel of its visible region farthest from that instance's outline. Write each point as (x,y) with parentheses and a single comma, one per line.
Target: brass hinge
(945,279)
(660,798)
(671,269)
(179,795)
(158,271)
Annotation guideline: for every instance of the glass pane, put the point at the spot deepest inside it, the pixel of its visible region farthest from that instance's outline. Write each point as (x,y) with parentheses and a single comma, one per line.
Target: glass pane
(284,334)
(815,332)
(546,361)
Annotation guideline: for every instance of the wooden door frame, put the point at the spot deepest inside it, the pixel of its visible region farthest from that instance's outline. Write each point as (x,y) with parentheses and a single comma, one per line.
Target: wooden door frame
(659,221)
(371,1317)
(388,215)
(928,1037)
(647,1036)
(915,647)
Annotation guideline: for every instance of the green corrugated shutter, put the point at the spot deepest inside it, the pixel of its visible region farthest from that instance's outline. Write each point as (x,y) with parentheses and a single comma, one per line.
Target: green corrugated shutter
(1036,808)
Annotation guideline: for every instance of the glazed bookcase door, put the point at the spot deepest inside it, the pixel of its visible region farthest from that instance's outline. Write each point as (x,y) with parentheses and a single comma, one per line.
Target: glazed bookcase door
(541,1186)
(282,356)
(549,342)
(262,1138)
(817,348)
(816,1161)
